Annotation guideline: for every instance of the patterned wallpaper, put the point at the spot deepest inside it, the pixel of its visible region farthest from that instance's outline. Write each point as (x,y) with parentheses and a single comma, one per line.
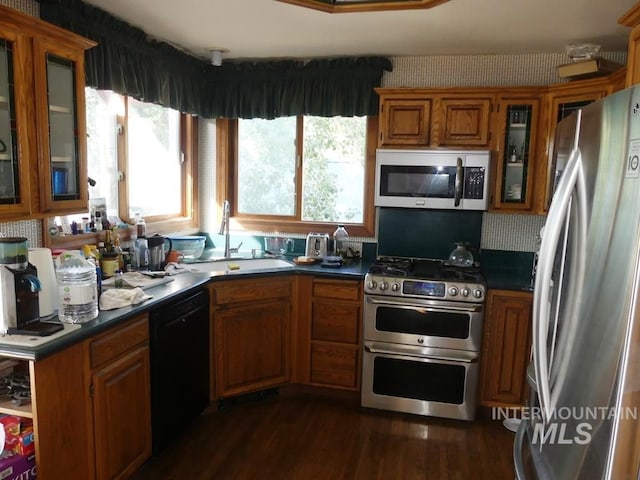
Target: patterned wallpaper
(480,70)
(499,232)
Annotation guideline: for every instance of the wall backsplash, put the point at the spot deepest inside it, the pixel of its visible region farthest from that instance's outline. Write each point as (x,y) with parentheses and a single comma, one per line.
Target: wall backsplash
(516,233)
(29,7)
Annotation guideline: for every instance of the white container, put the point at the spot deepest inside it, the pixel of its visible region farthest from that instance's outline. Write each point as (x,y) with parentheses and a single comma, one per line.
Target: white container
(47,297)
(77,290)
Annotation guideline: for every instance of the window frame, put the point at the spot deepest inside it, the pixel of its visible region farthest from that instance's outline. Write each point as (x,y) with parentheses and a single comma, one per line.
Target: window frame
(188,217)
(227,156)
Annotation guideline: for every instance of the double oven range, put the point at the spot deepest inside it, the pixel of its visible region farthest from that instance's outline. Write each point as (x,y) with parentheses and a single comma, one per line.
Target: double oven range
(422,334)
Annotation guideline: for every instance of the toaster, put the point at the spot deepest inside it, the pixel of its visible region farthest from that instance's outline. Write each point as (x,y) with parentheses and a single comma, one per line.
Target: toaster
(317,245)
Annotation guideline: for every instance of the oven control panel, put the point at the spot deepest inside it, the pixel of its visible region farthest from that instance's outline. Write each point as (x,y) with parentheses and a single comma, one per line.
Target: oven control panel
(403,287)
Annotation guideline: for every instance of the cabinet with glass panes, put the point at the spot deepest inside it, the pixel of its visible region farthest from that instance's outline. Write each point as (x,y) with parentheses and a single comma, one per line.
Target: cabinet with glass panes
(518,116)
(42,125)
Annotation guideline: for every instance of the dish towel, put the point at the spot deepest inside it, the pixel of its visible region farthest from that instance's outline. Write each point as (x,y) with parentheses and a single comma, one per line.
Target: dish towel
(121,297)
(173,268)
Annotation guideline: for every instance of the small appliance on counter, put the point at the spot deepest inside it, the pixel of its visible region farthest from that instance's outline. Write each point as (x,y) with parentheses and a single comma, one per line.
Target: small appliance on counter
(19,283)
(317,245)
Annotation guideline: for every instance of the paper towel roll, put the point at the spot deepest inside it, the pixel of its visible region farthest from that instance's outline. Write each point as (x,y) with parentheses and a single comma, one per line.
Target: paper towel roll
(47,298)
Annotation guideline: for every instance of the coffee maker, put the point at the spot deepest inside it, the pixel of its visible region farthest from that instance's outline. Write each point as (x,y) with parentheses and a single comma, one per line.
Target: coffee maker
(19,285)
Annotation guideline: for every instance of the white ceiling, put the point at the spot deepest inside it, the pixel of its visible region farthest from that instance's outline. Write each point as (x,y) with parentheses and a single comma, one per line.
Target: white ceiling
(260,29)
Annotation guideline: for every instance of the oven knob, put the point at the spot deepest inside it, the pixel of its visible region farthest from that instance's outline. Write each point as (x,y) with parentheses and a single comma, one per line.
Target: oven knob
(371,284)
(420,340)
(395,287)
(453,291)
(383,285)
(465,292)
(477,293)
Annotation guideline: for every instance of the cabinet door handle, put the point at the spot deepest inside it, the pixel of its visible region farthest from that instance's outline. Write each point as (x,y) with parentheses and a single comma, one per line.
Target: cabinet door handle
(458,183)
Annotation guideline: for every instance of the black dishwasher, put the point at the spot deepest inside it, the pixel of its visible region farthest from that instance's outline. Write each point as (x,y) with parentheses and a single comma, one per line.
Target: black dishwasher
(179,366)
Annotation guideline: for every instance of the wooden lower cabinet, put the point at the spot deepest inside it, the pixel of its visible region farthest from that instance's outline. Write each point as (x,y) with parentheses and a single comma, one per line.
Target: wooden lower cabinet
(329,332)
(505,348)
(252,334)
(121,397)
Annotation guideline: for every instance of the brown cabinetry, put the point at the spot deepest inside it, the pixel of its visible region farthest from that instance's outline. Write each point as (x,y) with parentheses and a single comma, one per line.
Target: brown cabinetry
(434,118)
(632,19)
(517,120)
(505,348)
(42,124)
(561,101)
(329,332)
(120,387)
(252,334)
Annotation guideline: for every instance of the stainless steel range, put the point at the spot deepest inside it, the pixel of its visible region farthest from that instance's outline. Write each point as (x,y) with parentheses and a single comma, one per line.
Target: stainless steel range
(422,335)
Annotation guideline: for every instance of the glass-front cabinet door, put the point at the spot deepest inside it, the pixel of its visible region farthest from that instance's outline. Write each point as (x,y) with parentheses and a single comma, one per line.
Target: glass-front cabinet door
(61,127)
(515,166)
(14,151)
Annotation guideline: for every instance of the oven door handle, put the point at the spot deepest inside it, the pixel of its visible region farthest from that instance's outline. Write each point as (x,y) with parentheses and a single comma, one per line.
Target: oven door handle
(373,348)
(423,309)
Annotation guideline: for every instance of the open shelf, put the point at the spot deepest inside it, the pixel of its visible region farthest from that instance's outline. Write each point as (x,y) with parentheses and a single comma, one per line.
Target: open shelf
(7,406)
(61,159)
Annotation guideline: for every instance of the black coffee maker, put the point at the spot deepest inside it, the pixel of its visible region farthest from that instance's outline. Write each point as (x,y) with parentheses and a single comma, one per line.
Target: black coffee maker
(19,285)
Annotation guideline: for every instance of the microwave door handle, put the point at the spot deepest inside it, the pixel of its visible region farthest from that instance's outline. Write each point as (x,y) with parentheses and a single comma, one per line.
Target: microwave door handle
(458,183)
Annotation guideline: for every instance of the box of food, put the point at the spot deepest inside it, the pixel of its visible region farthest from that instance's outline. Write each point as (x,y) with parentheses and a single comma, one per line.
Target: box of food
(17,467)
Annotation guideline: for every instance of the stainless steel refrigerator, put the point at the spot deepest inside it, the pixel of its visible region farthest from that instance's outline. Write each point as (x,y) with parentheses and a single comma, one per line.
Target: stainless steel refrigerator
(582,419)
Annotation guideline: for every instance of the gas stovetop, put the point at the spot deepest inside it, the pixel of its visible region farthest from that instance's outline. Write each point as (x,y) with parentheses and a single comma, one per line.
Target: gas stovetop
(417,277)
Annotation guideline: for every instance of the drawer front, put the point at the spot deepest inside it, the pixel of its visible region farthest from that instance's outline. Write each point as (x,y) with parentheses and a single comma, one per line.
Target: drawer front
(337,289)
(335,321)
(252,290)
(119,340)
(335,365)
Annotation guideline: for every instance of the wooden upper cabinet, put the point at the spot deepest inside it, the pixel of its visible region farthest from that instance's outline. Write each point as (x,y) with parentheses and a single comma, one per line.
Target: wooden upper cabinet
(435,117)
(463,122)
(632,19)
(516,127)
(43,169)
(16,113)
(405,122)
(562,100)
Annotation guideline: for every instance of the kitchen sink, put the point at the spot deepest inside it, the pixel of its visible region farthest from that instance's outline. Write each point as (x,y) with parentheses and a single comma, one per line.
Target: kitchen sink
(243,265)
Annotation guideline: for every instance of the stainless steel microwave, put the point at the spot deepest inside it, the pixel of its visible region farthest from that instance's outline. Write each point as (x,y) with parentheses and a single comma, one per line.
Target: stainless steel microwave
(438,179)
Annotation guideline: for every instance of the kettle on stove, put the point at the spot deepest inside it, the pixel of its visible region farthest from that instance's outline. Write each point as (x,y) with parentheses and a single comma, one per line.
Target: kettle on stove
(460,256)
(317,245)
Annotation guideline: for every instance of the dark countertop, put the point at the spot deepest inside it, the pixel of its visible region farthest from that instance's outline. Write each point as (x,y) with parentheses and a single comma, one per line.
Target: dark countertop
(180,285)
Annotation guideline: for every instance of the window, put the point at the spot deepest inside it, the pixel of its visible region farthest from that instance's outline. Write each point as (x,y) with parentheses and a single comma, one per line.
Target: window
(143,159)
(329,159)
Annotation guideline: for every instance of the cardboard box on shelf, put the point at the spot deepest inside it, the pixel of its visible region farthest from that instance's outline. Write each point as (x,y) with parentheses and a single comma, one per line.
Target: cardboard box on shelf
(17,467)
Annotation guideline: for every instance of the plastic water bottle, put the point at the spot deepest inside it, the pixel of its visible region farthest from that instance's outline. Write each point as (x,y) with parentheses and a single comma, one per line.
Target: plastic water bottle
(340,241)
(77,290)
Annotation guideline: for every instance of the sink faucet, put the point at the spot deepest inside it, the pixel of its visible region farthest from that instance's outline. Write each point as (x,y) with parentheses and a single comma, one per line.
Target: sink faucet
(224,230)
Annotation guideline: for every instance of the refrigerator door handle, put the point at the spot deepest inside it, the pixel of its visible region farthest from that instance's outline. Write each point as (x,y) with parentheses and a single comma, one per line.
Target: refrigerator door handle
(541,306)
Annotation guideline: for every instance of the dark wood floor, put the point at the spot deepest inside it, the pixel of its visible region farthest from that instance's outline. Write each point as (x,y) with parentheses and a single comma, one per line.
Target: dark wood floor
(311,434)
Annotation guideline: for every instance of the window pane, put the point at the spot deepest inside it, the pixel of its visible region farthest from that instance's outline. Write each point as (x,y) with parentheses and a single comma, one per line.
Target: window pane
(154,169)
(102,108)
(266,166)
(333,169)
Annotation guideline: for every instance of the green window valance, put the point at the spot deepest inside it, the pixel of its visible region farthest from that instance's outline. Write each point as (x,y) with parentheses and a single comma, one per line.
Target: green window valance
(127,61)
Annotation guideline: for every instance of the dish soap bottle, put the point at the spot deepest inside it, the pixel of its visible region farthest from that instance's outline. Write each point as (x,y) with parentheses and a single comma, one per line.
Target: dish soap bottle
(340,241)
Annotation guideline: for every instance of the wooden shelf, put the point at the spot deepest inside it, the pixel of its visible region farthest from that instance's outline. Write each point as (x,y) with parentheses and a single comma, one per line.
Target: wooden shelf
(7,406)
